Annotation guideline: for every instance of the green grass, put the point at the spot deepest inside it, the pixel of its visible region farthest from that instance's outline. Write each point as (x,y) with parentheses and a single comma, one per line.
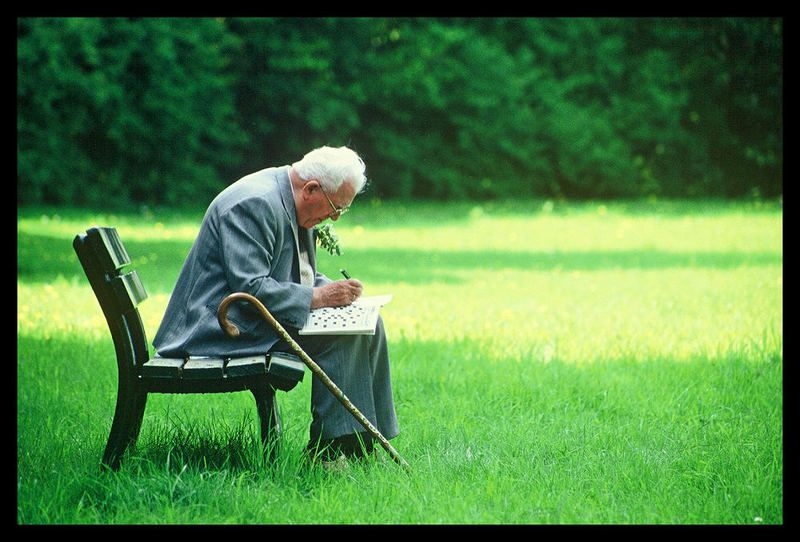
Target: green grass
(617,363)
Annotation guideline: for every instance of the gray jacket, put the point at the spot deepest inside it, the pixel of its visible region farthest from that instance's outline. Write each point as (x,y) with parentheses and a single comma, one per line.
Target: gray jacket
(248,242)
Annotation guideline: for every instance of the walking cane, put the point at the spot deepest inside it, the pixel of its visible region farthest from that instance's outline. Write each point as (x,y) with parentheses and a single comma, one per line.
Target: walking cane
(233,331)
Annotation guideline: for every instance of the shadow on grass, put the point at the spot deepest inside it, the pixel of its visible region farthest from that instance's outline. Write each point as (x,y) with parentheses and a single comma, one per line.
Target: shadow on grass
(42,257)
(201,446)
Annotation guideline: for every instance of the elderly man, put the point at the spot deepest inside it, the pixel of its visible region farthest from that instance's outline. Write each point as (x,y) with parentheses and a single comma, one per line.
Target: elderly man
(257,237)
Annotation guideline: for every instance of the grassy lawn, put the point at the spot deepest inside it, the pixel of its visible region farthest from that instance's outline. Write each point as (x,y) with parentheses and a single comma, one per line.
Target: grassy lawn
(614,363)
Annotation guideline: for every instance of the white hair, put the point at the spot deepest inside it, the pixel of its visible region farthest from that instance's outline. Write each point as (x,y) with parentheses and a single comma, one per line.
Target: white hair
(332,166)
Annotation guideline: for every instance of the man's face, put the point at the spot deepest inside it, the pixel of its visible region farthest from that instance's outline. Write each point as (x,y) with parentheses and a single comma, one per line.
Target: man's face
(316,205)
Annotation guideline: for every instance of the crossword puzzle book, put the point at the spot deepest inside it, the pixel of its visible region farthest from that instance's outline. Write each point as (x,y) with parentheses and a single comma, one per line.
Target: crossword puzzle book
(360,318)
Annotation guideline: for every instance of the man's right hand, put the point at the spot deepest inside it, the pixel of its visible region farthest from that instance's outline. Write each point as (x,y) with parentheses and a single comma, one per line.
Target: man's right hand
(336,294)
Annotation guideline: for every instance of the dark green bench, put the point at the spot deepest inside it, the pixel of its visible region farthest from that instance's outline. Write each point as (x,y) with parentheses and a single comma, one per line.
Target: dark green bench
(120,291)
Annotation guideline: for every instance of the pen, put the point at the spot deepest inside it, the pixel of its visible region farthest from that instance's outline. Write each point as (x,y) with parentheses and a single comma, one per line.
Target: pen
(345,273)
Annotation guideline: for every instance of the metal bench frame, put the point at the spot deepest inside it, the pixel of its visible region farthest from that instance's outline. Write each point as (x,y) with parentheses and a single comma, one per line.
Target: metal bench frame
(119,291)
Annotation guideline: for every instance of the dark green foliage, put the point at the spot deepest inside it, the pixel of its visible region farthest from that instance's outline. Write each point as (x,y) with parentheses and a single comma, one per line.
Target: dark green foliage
(167,111)
(124,110)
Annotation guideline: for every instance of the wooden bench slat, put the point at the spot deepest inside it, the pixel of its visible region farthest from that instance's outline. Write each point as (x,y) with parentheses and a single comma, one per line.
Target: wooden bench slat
(114,255)
(129,289)
(162,368)
(247,366)
(197,368)
(286,366)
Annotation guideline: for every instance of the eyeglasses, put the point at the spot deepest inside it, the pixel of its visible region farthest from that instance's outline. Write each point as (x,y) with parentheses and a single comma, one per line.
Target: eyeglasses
(335,211)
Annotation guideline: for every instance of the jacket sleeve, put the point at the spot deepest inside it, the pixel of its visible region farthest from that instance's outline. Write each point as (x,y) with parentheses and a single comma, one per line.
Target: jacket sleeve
(259,256)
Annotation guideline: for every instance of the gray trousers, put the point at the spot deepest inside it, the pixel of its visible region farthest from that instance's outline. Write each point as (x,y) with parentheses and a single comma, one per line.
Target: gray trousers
(359,366)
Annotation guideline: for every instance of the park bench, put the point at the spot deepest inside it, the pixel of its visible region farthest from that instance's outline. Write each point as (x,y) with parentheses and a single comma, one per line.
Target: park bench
(119,291)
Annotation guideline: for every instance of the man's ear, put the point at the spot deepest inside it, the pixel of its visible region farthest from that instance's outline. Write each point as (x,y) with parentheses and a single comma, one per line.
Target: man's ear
(310,186)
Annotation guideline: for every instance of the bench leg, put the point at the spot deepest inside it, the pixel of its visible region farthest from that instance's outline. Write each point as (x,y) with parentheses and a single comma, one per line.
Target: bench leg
(269,417)
(125,427)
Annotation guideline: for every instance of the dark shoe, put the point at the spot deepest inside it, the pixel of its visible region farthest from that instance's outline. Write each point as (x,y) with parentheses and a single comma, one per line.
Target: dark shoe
(339,464)
(355,445)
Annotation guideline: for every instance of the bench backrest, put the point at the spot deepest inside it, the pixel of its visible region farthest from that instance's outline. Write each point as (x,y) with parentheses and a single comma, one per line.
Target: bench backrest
(119,291)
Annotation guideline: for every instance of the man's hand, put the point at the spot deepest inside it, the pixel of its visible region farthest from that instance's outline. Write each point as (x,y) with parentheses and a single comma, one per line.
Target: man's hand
(336,294)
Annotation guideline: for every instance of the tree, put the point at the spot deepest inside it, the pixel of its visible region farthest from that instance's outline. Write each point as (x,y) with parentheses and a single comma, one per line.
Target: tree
(123,110)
